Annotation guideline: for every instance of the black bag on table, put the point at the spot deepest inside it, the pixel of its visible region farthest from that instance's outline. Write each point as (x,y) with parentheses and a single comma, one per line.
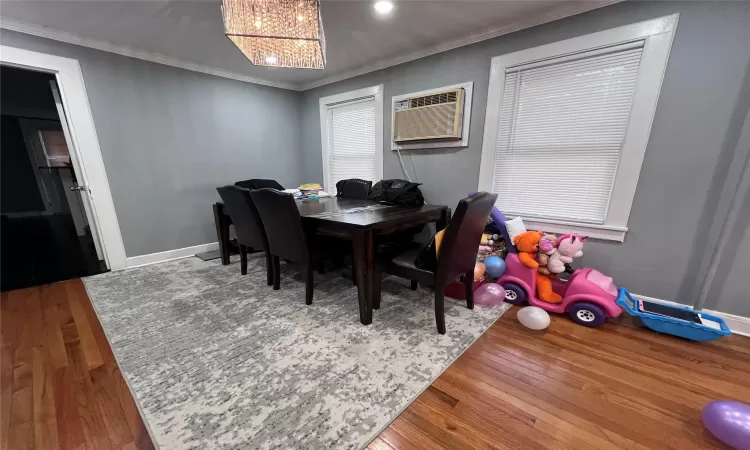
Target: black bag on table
(397,192)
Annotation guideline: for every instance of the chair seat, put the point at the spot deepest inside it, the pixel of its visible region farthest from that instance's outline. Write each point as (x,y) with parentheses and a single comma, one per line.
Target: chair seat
(402,264)
(458,253)
(407,258)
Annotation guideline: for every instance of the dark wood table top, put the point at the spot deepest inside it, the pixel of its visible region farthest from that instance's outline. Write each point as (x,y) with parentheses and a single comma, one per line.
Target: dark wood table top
(360,213)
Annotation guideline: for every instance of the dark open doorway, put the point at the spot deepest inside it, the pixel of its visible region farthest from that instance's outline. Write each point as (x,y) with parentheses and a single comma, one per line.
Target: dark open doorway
(44,234)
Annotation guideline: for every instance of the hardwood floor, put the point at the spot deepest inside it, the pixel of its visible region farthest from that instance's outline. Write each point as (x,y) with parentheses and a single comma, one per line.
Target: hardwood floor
(569,387)
(61,388)
(572,387)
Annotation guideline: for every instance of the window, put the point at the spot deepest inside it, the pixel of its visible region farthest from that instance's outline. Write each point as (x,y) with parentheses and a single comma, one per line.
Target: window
(352,136)
(567,126)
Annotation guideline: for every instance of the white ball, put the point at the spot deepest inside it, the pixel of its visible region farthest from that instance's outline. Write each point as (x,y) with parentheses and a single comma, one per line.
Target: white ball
(533,317)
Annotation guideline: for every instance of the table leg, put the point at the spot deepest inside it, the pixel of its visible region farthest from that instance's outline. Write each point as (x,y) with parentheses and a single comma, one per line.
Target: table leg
(370,270)
(362,251)
(222,232)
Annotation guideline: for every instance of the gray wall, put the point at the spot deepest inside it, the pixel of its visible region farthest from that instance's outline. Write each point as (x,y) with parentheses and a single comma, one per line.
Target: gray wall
(729,287)
(169,136)
(732,294)
(697,105)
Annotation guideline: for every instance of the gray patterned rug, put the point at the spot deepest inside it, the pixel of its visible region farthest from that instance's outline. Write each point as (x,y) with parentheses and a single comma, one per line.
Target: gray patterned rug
(218,360)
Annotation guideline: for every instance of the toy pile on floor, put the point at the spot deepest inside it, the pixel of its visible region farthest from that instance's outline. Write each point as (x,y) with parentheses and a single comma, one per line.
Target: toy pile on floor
(490,265)
(520,267)
(492,244)
(492,250)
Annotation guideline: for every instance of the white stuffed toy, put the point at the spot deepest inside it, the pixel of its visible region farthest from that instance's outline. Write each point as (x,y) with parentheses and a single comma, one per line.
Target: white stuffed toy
(515,227)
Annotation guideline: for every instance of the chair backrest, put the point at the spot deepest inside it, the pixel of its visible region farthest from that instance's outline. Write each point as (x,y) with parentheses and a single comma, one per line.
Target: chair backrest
(283,224)
(258,183)
(353,188)
(458,252)
(245,217)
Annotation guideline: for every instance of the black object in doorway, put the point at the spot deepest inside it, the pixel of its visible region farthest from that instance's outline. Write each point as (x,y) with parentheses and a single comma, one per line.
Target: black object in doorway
(44,232)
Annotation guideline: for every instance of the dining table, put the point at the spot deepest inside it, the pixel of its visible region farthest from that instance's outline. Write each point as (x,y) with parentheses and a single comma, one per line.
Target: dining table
(361,221)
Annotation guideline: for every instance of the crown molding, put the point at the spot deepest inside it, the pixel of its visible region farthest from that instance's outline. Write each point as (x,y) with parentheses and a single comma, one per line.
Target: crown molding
(564,10)
(70,38)
(570,9)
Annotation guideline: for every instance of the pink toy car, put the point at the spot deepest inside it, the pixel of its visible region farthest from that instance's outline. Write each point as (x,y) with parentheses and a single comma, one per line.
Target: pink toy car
(589,296)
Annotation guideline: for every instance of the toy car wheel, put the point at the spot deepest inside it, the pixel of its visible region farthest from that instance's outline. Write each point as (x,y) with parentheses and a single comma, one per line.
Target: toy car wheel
(514,294)
(587,314)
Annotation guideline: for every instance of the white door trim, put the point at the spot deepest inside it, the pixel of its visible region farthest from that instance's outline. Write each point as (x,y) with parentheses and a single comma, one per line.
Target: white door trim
(77,165)
(86,144)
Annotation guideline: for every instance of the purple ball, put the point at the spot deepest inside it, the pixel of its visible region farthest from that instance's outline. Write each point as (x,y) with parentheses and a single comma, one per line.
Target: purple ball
(729,422)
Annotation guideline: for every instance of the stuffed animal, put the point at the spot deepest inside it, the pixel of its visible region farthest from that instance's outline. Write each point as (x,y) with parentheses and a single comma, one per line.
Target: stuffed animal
(547,247)
(568,247)
(527,244)
(544,288)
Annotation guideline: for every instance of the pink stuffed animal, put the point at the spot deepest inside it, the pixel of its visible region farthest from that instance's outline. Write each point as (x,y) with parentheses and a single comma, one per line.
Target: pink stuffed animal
(547,248)
(568,247)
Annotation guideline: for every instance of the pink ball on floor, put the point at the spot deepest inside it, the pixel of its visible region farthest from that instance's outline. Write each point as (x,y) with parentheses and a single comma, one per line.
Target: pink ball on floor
(489,294)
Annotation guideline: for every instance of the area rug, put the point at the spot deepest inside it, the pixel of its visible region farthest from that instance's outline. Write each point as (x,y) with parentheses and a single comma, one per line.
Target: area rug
(218,360)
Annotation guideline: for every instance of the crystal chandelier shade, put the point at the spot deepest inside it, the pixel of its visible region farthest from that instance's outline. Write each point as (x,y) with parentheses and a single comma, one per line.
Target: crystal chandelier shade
(278,33)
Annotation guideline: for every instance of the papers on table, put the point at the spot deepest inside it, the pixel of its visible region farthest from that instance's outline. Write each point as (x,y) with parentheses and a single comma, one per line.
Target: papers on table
(341,212)
(321,194)
(299,196)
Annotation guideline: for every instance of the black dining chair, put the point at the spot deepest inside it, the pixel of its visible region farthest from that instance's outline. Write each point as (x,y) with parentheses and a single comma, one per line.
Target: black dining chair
(247,225)
(259,183)
(353,188)
(457,256)
(286,236)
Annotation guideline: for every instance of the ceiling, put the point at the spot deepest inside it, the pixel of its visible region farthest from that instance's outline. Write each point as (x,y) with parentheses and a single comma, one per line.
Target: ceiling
(190,33)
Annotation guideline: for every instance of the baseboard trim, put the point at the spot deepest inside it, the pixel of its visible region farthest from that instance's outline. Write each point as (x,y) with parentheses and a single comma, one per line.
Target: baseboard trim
(169,255)
(738,324)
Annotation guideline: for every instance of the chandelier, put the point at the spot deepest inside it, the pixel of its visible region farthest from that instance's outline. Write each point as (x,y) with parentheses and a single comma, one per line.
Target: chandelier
(279,33)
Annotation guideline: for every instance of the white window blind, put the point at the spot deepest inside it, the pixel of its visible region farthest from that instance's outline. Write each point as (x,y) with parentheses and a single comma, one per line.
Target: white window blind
(561,127)
(351,141)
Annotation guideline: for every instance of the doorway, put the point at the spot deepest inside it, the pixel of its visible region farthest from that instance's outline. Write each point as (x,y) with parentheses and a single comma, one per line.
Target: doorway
(45,234)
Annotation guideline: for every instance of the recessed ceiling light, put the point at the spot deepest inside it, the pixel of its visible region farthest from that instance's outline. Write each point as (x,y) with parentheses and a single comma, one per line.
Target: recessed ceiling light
(383,6)
(258,24)
(300,17)
(271,60)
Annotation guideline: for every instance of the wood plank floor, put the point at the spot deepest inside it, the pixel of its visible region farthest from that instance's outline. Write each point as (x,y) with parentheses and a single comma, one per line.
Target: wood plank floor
(61,388)
(569,387)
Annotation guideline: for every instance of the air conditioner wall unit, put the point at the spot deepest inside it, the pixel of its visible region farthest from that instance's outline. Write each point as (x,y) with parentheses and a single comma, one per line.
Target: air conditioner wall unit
(436,116)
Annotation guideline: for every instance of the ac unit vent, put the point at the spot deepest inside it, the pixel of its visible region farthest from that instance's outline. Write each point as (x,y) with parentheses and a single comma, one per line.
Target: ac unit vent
(435,99)
(437,116)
